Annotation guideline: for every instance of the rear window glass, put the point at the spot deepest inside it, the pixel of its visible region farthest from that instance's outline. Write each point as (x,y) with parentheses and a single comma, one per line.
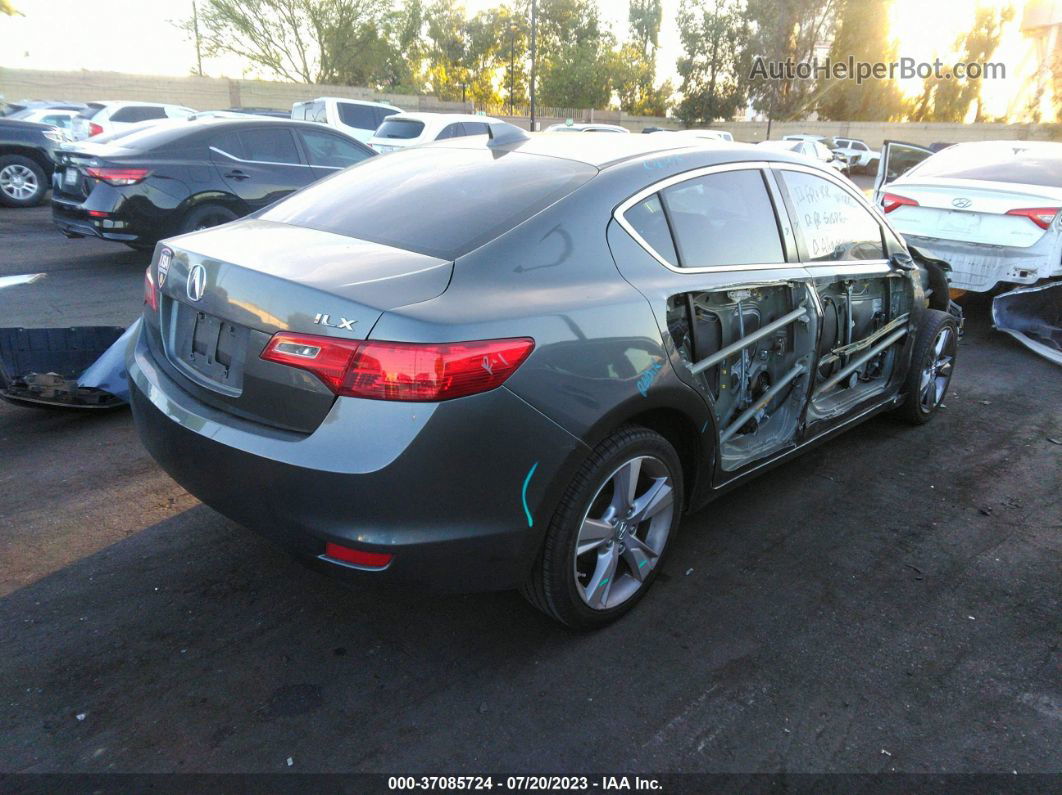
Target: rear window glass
(443,203)
(135,113)
(1018,163)
(147,138)
(724,219)
(400,128)
(92,109)
(648,220)
(311,111)
(361,116)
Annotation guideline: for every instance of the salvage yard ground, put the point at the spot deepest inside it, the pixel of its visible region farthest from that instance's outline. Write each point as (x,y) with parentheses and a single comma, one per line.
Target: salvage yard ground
(889,601)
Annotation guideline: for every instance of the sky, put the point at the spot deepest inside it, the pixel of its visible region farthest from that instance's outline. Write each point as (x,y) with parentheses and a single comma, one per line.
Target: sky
(137,36)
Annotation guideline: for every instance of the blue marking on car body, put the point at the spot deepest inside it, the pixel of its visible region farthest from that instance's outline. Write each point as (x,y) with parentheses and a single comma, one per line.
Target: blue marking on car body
(648,375)
(523,494)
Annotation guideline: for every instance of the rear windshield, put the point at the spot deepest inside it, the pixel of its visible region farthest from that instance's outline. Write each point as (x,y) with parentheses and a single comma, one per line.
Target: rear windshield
(90,111)
(434,201)
(400,128)
(311,111)
(1035,163)
(149,136)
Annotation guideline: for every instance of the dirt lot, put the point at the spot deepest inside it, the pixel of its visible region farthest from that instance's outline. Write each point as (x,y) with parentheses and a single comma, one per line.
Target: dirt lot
(890,601)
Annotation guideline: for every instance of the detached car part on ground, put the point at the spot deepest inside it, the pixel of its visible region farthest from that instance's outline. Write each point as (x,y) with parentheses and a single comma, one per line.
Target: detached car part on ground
(1033,316)
(992,209)
(518,365)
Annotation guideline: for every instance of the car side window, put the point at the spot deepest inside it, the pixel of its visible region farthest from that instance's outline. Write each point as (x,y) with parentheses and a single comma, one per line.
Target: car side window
(331,151)
(725,218)
(269,146)
(829,222)
(56,121)
(229,144)
(450,131)
(353,115)
(859,147)
(648,220)
(135,113)
(476,128)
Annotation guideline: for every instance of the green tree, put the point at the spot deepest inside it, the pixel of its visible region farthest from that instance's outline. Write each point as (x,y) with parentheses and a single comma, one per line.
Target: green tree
(575,55)
(790,31)
(862,34)
(949,99)
(634,64)
(714,60)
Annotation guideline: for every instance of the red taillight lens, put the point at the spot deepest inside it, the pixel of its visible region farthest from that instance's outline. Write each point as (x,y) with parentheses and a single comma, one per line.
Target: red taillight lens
(1041,216)
(118,176)
(151,295)
(359,557)
(890,201)
(425,372)
(94,129)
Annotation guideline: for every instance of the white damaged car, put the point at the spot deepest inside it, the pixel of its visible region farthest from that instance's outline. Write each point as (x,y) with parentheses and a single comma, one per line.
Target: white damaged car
(990,209)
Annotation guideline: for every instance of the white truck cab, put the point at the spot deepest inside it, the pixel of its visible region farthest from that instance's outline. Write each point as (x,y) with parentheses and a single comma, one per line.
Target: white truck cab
(358,118)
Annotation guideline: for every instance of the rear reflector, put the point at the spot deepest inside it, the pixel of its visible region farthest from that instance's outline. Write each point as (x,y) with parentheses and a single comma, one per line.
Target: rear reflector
(408,371)
(118,176)
(890,201)
(151,295)
(1041,216)
(358,557)
(94,129)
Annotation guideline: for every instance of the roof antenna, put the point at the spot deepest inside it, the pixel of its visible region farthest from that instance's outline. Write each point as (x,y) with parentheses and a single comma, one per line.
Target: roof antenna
(502,134)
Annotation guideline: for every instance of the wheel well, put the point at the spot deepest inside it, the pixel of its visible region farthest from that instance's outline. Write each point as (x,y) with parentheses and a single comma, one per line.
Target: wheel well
(32,154)
(683,435)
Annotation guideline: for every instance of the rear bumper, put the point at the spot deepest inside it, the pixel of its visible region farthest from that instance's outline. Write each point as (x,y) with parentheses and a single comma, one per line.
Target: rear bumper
(73,220)
(444,488)
(980,267)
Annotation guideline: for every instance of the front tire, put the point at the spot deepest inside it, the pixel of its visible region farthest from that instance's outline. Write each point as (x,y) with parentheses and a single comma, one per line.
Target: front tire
(608,536)
(22,181)
(932,365)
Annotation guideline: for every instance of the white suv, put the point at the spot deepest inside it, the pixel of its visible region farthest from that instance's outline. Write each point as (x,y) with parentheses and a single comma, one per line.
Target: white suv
(409,129)
(107,117)
(860,156)
(358,118)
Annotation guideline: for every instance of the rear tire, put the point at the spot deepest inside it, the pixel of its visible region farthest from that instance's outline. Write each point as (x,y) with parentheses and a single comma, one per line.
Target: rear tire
(205,216)
(932,365)
(603,548)
(23,182)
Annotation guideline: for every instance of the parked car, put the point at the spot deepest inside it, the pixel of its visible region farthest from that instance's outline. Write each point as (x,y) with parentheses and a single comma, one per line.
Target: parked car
(175,177)
(991,208)
(104,117)
(812,149)
(358,118)
(27,159)
(590,127)
(806,137)
(11,108)
(54,117)
(860,156)
(403,130)
(518,365)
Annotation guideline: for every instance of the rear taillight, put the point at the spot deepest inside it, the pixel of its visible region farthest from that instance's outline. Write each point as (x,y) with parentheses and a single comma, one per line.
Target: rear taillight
(151,295)
(890,201)
(1041,216)
(118,176)
(358,557)
(94,129)
(408,371)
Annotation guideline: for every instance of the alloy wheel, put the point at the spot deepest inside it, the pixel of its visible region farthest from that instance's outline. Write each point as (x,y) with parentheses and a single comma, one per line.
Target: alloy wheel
(936,375)
(624,532)
(18,182)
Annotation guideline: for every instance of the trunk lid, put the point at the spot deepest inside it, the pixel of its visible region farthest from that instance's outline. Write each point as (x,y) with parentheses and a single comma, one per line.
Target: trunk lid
(971,211)
(253,278)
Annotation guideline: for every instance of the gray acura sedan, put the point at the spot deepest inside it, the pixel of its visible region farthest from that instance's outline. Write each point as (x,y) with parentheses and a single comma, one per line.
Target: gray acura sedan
(517,365)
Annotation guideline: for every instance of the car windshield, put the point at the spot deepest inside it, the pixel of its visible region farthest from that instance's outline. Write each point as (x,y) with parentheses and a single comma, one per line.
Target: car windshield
(434,201)
(400,128)
(1020,162)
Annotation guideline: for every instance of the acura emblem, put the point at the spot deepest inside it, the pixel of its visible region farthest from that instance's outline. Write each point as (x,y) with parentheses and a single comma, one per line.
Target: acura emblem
(196,282)
(164,265)
(962,204)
